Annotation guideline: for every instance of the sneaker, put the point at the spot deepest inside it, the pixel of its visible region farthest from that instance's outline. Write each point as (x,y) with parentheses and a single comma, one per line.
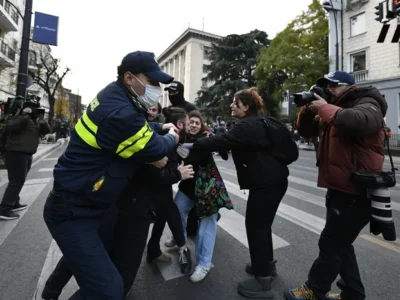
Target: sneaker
(19,207)
(199,273)
(8,215)
(305,293)
(186,261)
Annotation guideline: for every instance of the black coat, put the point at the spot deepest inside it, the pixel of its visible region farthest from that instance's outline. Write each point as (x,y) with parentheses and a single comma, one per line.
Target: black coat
(151,185)
(248,140)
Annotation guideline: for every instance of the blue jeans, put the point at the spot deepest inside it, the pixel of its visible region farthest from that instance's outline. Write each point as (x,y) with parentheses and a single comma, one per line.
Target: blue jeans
(207,233)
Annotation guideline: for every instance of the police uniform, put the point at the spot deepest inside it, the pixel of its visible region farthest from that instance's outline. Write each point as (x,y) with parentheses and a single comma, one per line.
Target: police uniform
(109,142)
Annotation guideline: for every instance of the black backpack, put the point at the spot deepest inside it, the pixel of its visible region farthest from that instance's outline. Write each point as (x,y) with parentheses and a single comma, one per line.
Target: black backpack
(284,148)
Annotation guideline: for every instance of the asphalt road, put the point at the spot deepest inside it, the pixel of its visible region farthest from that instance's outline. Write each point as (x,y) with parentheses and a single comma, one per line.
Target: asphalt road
(28,255)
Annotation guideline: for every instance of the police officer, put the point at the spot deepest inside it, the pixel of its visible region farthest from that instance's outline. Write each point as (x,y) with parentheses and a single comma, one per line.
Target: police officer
(108,144)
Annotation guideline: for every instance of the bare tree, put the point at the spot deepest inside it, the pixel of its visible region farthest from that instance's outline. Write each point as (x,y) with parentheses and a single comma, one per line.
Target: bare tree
(45,72)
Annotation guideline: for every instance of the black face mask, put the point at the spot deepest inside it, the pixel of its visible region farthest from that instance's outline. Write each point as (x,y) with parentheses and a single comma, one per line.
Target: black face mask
(176,99)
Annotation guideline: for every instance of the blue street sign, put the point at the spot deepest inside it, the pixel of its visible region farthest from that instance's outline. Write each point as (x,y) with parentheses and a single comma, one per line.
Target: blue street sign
(45,30)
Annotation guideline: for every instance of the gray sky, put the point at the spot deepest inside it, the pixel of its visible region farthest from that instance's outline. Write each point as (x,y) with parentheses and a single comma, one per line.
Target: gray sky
(93,38)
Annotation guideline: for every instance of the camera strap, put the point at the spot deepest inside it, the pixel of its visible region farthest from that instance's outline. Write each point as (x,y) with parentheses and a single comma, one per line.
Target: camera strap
(388,148)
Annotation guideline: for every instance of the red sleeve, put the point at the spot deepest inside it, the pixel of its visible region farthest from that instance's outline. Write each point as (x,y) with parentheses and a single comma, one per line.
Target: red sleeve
(306,124)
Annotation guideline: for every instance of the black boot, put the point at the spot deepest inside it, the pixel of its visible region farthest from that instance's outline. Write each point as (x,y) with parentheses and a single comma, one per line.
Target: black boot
(256,288)
(271,269)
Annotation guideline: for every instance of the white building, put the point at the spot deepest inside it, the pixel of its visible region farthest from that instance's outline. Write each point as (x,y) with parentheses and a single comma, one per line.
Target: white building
(184,60)
(372,63)
(36,53)
(10,37)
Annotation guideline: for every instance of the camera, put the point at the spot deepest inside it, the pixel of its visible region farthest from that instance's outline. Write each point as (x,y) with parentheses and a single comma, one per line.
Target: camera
(15,105)
(304,98)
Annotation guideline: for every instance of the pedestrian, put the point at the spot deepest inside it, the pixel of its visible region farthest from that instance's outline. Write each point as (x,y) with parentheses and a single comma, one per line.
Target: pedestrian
(351,131)
(262,168)
(22,141)
(110,142)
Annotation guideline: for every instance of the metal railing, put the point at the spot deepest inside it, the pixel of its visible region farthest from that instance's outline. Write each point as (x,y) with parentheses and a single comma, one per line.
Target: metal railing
(7,7)
(394,141)
(7,50)
(360,76)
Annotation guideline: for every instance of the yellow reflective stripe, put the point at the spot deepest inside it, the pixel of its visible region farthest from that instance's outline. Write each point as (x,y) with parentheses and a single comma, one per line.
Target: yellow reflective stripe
(135,143)
(86,135)
(89,123)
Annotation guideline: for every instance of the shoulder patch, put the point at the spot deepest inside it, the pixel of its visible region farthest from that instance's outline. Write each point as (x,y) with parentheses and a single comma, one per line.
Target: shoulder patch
(95,102)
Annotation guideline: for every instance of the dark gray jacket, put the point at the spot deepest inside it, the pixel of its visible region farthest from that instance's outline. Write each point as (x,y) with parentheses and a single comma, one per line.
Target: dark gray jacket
(23,134)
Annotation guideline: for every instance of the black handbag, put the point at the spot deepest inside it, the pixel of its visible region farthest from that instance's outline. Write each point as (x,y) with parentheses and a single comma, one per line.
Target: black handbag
(375,180)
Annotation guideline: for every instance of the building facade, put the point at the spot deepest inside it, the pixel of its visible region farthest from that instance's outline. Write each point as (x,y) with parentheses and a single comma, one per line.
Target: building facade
(185,58)
(371,63)
(10,38)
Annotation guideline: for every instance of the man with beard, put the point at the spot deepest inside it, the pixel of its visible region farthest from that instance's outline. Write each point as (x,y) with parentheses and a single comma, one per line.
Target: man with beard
(160,194)
(176,96)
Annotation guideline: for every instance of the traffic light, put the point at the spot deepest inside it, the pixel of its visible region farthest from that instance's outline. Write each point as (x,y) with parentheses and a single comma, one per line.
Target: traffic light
(379,12)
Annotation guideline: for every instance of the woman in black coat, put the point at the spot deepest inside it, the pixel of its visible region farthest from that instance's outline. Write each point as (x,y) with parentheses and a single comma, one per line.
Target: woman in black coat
(260,172)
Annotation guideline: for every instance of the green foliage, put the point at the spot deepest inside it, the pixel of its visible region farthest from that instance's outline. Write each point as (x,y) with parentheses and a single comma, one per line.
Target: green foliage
(298,55)
(232,64)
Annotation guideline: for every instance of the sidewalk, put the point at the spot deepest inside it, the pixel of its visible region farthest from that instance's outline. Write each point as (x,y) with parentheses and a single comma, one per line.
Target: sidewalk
(45,148)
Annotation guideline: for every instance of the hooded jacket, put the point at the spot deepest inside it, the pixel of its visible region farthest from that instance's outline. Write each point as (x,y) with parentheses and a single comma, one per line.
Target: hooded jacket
(351,135)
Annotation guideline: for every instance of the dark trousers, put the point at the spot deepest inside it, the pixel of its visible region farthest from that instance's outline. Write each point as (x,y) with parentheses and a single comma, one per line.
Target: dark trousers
(261,209)
(347,215)
(62,273)
(130,237)
(167,212)
(18,165)
(99,275)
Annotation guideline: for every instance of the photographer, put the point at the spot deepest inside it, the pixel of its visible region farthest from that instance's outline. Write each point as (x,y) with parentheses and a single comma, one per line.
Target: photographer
(351,132)
(22,134)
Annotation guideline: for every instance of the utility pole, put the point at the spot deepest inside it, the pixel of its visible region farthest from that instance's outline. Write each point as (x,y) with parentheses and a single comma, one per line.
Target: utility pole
(24,55)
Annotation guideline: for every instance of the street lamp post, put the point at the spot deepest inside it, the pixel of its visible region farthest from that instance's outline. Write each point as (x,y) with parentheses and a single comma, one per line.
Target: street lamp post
(24,54)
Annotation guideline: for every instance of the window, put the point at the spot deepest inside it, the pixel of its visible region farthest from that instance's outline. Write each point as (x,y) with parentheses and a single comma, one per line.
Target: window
(15,44)
(358,61)
(204,82)
(357,25)
(206,53)
(32,58)
(204,69)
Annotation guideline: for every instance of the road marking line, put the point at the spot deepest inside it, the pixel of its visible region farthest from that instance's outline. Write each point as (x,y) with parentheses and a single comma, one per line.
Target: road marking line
(46,170)
(28,195)
(53,256)
(50,159)
(294,215)
(381,243)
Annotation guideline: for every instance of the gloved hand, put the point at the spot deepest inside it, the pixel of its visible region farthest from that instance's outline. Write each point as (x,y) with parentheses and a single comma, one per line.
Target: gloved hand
(188,145)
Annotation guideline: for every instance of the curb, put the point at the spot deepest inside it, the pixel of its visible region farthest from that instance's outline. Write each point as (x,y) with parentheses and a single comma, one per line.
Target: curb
(306,149)
(58,144)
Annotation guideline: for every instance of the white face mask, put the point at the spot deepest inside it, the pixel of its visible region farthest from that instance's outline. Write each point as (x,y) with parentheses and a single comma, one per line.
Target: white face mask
(152,95)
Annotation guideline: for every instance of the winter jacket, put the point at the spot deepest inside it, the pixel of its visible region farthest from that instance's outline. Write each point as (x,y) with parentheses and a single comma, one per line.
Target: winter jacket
(351,137)
(23,134)
(248,140)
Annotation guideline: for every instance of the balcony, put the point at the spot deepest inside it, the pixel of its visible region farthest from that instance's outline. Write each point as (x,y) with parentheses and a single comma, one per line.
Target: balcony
(7,55)
(360,76)
(8,17)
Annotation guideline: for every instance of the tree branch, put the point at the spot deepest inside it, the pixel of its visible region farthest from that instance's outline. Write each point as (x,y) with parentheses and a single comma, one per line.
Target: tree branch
(60,80)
